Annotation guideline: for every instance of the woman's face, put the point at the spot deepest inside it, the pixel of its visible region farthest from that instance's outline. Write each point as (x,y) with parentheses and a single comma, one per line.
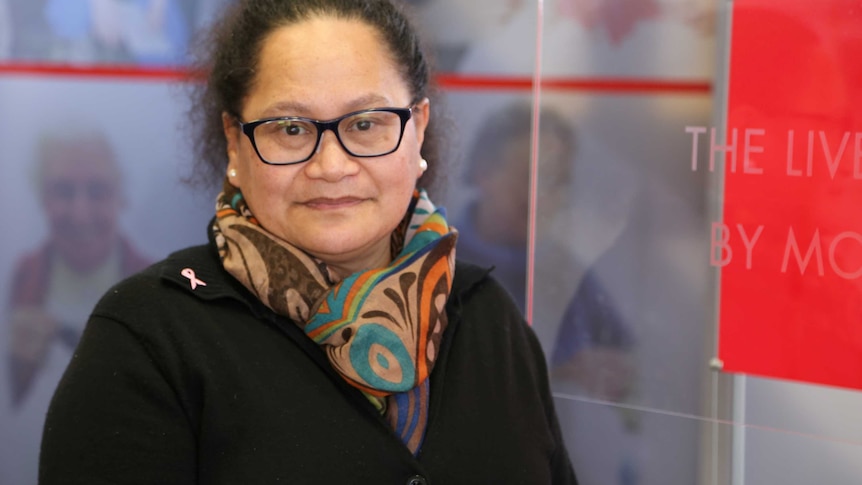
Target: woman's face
(339,208)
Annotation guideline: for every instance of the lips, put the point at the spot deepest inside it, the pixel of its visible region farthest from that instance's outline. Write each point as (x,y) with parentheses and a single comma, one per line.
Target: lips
(328,203)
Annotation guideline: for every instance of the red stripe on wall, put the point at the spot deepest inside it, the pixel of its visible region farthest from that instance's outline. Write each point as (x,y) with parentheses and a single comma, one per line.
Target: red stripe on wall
(449,81)
(95,71)
(524,83)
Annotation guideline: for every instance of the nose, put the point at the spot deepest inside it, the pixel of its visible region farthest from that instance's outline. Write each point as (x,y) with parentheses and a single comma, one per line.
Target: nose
(331,162)
(79,206)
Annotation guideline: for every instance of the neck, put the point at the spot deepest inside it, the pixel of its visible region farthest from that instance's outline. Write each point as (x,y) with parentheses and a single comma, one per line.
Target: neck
(342,266)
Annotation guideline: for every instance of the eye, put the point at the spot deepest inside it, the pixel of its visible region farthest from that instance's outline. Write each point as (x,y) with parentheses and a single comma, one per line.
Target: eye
(362,124)
(61,190)
(366,121)
(292,128)
(99,191)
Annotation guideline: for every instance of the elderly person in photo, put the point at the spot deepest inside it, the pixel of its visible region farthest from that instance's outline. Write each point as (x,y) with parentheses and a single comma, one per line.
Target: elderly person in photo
(55,286)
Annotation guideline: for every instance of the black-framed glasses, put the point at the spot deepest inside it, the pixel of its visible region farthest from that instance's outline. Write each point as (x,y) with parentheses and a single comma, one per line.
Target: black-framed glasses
(288,140)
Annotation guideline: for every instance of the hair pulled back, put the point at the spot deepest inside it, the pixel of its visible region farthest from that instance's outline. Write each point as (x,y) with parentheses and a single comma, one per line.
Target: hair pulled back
(230,53)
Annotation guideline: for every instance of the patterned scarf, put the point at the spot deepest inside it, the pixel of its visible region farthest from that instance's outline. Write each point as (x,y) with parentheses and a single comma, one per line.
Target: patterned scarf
(380,328)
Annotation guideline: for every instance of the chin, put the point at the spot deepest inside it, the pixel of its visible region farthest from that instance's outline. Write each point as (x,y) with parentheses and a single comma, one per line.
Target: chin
(336,250)
(344,246)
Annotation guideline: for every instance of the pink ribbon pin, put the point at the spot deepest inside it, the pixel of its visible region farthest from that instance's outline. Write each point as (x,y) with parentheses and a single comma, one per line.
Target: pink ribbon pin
(190,274)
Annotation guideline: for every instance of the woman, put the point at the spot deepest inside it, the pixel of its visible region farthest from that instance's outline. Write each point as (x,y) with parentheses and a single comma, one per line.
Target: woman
(298,346)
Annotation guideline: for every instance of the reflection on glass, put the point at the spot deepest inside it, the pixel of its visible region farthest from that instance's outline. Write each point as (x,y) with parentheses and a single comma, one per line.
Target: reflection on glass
(594,344)
(631,342)
(494,226)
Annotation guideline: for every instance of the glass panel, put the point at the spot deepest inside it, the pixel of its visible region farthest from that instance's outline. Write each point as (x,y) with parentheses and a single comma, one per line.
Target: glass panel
(620,445)
(779,456)
(621,239)
(638,282)
(798,414)
(481,36)
(488,193)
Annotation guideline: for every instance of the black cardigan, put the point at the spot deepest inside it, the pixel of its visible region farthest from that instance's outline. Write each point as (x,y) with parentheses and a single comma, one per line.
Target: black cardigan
(174,385)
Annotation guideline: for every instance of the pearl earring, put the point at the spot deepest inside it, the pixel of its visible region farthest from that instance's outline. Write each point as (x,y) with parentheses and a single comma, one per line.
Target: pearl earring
(232,172)
(423,164)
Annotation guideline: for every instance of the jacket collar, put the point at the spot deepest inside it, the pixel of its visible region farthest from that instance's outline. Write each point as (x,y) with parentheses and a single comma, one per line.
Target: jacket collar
(198,270)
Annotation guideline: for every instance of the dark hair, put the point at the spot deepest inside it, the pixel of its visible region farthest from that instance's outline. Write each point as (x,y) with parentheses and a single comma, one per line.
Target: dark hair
(230,52)
(512,122)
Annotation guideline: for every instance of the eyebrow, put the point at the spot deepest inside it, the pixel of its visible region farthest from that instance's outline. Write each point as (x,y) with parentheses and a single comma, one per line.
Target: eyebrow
(295,108)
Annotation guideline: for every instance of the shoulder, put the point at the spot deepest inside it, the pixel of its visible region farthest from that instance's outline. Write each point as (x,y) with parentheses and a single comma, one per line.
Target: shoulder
(181,309)
(482,306)
(476,288)
(176,282)
(487,328)
(194,256)
(33,260)
(468,276)
(29,279)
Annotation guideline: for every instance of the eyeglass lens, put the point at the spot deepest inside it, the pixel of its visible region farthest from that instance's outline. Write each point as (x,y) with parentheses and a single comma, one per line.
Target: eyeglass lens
(364,134)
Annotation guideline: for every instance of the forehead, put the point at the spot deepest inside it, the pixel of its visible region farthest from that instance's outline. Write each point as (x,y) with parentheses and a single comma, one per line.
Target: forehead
(85,158)
(324,65)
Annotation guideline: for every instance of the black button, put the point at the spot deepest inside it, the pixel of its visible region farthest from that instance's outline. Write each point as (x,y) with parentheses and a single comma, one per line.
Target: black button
(417,480)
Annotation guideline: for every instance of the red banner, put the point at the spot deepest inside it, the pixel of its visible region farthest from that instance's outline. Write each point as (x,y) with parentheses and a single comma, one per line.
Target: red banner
(789,245)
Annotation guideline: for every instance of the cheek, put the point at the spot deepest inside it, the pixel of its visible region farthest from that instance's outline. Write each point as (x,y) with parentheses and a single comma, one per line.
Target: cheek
(399,170)
(55,208)
(395,184)
(270,190)
(108,212)
(408,176)
(262,189)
